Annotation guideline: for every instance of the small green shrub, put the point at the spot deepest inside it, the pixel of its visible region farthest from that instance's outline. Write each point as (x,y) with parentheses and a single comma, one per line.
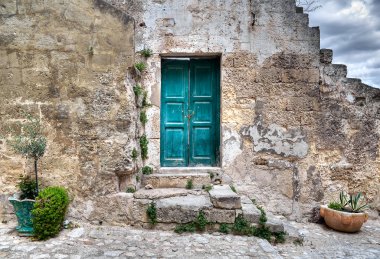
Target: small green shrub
(49,212)
(189,227)
(140,66)
(224,228)
(144,147)
(134,154)
(241,226)
(146,52)
(189,184)
(199,224)
(201,221)
(147,170)
(145,102)
(233,188)
(151,212)
(143,118)
(138,90)
(279,237)
(130,190)
(207,187)
(335,205)
(27,188)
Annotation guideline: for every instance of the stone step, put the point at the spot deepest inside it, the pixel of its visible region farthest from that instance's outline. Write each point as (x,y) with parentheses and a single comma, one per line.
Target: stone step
(186,170)
(224,198)
(176,180)
(252,214)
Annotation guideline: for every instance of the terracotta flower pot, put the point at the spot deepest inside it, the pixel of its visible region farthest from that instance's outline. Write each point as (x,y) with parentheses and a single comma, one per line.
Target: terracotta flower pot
(342,220)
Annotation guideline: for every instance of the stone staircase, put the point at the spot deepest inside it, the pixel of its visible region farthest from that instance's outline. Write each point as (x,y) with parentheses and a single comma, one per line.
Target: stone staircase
(177,205)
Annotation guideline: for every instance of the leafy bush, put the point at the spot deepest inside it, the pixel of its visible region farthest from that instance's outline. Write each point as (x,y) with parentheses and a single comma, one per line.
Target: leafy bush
(49,212)
(151,212)
(223,228)
(28,188)
(189,184)
(143,118)
(146,52)
(140,66)
(130,190)
(144,147)
(147,170)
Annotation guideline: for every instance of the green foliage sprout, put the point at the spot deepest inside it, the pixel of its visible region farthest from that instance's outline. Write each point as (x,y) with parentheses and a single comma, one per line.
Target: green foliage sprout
(335,205)
(207,187)
(143,118)
(146,52)
(147,170)
(138,90)
(134,154)
(233,188)
(140,66)
(28,188)
(49,212)
(223,228)
(189,184)
(151,212)
(130,189)
(198,224)
(144,147)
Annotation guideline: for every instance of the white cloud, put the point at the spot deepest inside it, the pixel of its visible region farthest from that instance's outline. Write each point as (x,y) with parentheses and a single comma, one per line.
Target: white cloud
(352,29)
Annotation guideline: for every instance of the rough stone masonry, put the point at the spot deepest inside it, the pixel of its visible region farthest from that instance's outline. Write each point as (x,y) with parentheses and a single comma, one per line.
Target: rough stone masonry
(294,129)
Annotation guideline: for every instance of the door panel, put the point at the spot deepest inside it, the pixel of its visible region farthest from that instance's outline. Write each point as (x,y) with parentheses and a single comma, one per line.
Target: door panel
(190,112)
(203,108)
(174,104)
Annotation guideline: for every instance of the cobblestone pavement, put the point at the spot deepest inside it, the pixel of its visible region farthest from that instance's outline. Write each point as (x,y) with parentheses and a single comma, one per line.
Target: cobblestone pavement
(92,241)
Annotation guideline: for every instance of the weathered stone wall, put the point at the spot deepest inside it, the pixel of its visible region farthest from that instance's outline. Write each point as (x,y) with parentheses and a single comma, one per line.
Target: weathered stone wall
(66,62)
(289,136)
(294,129)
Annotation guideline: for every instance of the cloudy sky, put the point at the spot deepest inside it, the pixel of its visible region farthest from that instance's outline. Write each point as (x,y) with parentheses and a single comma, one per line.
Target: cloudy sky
(352,29)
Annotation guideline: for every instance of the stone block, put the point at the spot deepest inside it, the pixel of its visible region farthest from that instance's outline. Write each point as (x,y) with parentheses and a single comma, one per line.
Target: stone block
(139,207)
(326,56)
(8,7)
(154,194)
(176,180)
(274,224)
(223,197)
(220,216)
(250,212)
(182,209)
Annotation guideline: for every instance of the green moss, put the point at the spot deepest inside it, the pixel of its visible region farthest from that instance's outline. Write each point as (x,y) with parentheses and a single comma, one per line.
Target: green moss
(49,212)
(144,147)
(143,118)
(147,170)
(151,212)
(189,184)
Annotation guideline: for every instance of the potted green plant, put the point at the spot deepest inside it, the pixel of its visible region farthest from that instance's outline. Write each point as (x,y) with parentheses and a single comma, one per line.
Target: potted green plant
(347,215)
(30,143)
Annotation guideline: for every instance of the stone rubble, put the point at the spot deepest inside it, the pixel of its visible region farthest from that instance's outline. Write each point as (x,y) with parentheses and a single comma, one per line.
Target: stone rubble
(91,241)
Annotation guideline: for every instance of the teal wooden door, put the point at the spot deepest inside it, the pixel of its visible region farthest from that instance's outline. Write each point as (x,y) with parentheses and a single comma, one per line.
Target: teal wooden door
(190,112)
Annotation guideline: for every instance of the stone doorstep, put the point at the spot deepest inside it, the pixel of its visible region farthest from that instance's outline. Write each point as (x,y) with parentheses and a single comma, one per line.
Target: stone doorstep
(223,197)
(176,180)
(187,170)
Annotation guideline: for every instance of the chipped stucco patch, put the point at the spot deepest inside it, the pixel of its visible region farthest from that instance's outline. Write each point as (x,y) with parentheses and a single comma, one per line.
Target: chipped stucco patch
(277,139)
(231,146)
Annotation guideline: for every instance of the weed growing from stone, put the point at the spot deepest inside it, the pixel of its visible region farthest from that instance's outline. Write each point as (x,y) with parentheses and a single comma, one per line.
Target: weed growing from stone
(147,170)
(144,147)
(143,118)
(140,66)
(280,237)
(207,187)
(137,178)
(134,154)
(146,53)
(138,90)
(145,102)
(224,228)
(211,175)
(298,241)
(241,226)
(151,212)
(90,51)
(198,224)
(189,184)
(130,190)
(233,188)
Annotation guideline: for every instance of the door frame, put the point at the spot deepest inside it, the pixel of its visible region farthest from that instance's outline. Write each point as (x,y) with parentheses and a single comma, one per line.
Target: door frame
(217,57)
